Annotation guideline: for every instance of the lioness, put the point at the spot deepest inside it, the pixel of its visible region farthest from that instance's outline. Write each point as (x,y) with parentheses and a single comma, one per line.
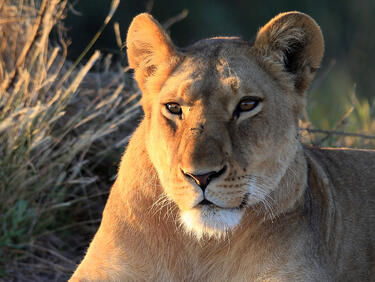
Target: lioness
(215,184)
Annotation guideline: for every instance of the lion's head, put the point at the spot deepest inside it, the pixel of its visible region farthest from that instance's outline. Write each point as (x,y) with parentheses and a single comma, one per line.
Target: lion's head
(222,114)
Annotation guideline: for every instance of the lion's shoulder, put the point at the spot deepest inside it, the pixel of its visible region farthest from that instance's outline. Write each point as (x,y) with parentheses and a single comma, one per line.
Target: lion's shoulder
(345,162)
(346,177)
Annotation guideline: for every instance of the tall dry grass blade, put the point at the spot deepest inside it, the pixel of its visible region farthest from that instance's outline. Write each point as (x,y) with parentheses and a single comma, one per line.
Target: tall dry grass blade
(113,9)
(22,57)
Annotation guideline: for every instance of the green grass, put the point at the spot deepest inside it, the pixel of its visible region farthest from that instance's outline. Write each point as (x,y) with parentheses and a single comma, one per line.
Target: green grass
(334,106)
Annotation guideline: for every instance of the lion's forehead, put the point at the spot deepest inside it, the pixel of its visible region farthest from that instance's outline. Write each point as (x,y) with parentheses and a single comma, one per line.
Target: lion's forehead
(224,75)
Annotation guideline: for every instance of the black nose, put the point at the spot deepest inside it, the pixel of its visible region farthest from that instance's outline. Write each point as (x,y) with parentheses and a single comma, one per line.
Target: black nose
(204,179)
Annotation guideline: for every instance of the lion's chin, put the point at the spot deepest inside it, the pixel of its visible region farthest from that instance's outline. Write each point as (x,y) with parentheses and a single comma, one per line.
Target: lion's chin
(210,221)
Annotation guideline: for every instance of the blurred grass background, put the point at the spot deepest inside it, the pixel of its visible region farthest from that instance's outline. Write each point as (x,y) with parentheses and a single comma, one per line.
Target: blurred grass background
(66,114)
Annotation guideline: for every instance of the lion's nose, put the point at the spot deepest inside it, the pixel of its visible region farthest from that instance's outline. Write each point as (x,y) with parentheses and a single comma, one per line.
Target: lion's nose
(204,179)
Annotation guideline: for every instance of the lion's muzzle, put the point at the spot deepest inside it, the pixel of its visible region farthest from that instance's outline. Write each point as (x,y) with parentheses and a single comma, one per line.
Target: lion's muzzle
(204,179)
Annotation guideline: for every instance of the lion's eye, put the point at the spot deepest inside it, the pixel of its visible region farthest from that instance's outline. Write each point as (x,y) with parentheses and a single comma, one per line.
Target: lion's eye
(174,108)
(246,104)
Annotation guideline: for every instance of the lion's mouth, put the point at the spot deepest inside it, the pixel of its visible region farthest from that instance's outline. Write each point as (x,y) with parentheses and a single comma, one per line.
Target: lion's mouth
(209,219)
(208,203)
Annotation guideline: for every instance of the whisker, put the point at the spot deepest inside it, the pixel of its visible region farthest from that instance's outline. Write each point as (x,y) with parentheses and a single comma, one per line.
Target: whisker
(261,192)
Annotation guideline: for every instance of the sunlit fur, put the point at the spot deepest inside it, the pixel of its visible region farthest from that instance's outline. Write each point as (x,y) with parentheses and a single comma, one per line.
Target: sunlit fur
(210,221)
(279,211)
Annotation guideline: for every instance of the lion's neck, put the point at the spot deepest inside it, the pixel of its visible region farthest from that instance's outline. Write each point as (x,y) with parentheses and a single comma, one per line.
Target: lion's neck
(137,180)
(290,192)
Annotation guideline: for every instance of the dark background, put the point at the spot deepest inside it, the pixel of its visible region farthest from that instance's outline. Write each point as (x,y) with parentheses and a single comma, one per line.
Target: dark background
(348,28)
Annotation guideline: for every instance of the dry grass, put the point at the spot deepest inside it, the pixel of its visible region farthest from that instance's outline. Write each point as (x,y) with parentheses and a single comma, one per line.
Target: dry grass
(62,130)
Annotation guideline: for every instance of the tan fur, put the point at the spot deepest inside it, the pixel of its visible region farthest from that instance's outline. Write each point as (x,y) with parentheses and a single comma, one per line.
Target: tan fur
(283,211)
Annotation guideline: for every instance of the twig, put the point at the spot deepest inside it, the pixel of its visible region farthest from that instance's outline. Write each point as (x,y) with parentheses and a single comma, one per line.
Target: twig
(69,203)
(69,226)
(149,5)
(116,28)
(176,18)
(56,254)
(114,6)
(313,130)
(343,118)
(338,125)
(46,261)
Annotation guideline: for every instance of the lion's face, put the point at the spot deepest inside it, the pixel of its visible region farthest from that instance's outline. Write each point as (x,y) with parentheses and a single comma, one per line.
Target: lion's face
(222,122)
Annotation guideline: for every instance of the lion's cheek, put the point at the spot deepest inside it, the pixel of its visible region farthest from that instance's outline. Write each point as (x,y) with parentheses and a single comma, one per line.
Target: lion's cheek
(157,142)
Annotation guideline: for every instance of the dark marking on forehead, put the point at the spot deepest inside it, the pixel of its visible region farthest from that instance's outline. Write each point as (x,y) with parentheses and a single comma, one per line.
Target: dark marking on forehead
(184,88)
(211,67)
(234,85)
(215,52)
(207,45)
(212,75)
(210,81)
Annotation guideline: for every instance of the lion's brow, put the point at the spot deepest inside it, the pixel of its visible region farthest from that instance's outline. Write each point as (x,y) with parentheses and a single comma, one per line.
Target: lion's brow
(233,83)
(184,88)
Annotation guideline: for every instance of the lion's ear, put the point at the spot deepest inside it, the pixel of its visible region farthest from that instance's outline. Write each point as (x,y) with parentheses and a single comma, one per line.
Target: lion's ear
(150,50)
(295,41)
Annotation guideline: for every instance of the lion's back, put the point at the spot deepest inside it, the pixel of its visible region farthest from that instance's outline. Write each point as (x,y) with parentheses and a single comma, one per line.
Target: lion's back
(350,170)
(350,218)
